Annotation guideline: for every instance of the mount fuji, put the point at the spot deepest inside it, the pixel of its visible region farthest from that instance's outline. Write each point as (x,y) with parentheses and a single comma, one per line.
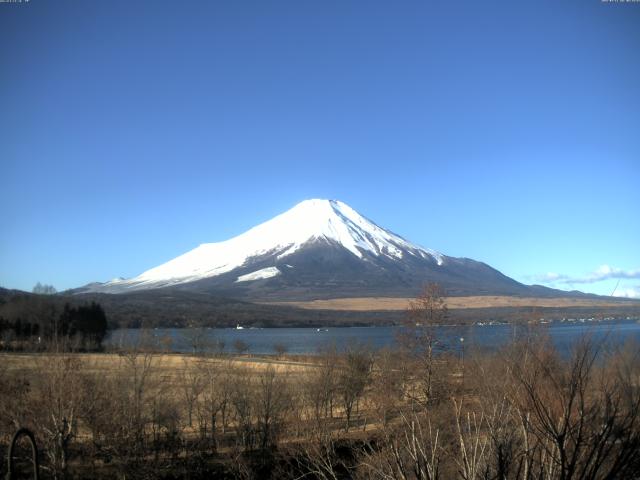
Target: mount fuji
(318,249)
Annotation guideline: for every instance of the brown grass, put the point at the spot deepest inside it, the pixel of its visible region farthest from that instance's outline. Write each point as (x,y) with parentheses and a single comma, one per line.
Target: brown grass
(395,304)
(165,365)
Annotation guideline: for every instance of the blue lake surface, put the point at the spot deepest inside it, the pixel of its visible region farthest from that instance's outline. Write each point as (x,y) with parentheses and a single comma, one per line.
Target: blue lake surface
(309,340)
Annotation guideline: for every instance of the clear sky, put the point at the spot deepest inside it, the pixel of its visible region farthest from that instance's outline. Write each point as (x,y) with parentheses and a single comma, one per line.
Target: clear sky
(504,131)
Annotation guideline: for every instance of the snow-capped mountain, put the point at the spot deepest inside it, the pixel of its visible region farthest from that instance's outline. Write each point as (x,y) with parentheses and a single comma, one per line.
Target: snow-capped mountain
(317,249)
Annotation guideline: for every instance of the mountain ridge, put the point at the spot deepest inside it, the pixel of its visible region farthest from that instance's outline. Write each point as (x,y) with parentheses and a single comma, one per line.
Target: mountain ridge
(320,249)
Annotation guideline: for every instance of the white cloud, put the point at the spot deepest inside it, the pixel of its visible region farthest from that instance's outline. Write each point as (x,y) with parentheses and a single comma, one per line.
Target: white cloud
(548,277)
(633,292)
(603,272)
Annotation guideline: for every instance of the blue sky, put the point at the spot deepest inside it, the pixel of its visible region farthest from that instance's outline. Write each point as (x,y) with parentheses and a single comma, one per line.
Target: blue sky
(507,132)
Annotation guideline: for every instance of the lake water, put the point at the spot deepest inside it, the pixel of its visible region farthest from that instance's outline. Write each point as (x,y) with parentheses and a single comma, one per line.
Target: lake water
(310,340)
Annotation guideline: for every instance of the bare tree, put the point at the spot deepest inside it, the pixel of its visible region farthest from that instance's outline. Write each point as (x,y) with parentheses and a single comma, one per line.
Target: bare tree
(353,377)
(217,382)
(242,400)
(44,289)
(319,458)
(240,346)
(273,400)
(280,349)
(58,406)
(320,385)
(579,420)
(419,337)
(470,455)
(407,451)
(192,384)
(386,388)
(195,338)
(136,383)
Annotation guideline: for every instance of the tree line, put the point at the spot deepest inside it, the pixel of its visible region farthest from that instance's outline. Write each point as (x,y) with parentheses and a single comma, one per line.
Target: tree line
(31,322)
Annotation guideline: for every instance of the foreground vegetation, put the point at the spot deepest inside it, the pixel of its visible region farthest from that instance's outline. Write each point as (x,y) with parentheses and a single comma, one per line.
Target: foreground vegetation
(521,413)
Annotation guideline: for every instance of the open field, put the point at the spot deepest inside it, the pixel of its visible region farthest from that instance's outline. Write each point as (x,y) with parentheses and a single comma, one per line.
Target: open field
(363,304)
(165,366)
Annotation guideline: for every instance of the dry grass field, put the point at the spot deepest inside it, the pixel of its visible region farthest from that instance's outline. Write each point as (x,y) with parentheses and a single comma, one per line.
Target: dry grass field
(396,304)
(165,366)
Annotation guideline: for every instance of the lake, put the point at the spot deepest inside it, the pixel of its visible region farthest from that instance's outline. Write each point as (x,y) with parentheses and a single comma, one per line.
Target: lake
(311,340)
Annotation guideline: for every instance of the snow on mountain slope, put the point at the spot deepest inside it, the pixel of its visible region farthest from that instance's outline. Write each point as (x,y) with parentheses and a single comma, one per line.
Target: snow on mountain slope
(261,274)
(309,221)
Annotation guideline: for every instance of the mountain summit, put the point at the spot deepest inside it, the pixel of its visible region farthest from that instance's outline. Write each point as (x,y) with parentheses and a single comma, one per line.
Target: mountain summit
(317,249)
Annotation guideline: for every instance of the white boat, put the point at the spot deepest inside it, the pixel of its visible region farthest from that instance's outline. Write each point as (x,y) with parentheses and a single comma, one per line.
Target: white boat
(239,327)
